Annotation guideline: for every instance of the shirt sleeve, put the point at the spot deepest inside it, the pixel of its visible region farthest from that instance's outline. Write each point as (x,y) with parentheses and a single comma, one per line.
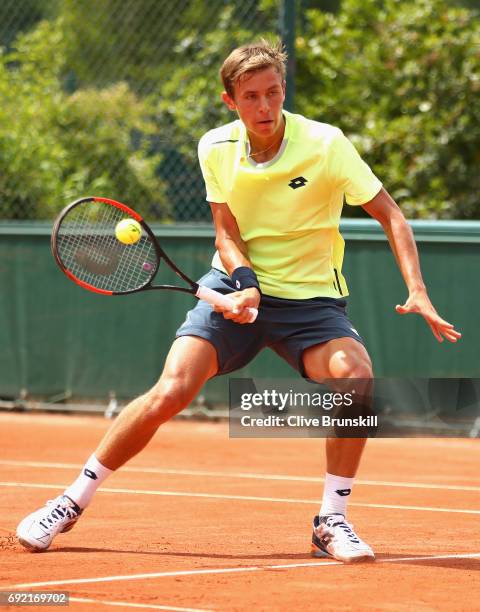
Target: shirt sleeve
(214,192)
(348,169)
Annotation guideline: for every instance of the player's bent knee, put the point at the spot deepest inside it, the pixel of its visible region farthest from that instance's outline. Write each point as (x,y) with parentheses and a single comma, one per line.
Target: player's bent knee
(168,398)
(361,371)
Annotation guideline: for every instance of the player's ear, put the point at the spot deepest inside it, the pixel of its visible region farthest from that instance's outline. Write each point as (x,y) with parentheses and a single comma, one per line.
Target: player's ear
(230,102)
(284,88)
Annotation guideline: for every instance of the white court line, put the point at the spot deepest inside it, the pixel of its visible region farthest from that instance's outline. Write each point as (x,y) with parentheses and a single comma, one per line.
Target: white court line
(253,476)
(125,604)
(282,500)
(228,570)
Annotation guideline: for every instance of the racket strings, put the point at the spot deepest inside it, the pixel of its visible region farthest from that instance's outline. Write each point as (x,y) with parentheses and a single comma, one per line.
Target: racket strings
(89,249)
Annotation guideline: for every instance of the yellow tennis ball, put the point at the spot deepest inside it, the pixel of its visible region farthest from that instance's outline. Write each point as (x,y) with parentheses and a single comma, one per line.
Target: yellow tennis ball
(128,231)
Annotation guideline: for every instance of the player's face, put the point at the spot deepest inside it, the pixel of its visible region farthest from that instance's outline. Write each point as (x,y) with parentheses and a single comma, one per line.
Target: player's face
(258,100)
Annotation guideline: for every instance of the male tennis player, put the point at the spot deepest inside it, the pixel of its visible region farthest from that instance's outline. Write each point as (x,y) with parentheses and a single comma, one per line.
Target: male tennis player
(276,184)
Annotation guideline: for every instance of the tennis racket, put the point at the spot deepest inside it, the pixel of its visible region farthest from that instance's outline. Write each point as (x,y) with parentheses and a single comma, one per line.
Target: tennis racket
(87,250)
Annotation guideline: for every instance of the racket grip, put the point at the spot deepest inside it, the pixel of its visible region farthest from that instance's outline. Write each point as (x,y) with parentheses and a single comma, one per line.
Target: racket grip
(218,299)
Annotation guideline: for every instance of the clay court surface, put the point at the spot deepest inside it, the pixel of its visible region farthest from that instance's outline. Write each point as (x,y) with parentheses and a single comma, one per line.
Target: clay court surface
(199,521)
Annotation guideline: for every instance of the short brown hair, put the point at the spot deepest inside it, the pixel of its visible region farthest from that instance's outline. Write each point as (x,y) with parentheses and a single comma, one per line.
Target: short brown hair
(251,58)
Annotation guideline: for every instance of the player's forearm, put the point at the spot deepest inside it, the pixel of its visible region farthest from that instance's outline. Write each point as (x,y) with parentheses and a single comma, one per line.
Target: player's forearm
(233,253)
(402,243)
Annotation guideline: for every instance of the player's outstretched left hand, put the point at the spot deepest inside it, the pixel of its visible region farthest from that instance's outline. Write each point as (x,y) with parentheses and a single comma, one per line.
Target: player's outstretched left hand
(420,303)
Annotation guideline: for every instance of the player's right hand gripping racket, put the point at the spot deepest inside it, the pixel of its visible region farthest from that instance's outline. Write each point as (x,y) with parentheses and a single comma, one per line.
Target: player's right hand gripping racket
(86,248)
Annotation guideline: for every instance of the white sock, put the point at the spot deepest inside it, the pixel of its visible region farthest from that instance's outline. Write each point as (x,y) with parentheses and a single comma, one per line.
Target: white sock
(336,493)
(91,477)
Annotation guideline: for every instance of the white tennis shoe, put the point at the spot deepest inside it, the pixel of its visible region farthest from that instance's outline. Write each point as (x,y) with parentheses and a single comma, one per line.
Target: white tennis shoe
(38,529)
(333,537)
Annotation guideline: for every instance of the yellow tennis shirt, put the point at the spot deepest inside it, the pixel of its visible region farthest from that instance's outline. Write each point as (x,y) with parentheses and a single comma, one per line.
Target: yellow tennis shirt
(288,209)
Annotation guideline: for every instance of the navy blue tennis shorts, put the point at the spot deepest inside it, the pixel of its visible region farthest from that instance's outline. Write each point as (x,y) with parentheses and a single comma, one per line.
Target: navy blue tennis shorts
(286,326)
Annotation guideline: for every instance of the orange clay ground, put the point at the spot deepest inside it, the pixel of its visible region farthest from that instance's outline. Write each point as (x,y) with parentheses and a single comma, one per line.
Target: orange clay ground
(199,521)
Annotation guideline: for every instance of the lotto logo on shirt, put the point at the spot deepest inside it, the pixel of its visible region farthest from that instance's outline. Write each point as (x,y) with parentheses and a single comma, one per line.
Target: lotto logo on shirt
(295,183)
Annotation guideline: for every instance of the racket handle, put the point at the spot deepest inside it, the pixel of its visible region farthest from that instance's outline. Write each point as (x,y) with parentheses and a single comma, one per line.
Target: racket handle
(218,299)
